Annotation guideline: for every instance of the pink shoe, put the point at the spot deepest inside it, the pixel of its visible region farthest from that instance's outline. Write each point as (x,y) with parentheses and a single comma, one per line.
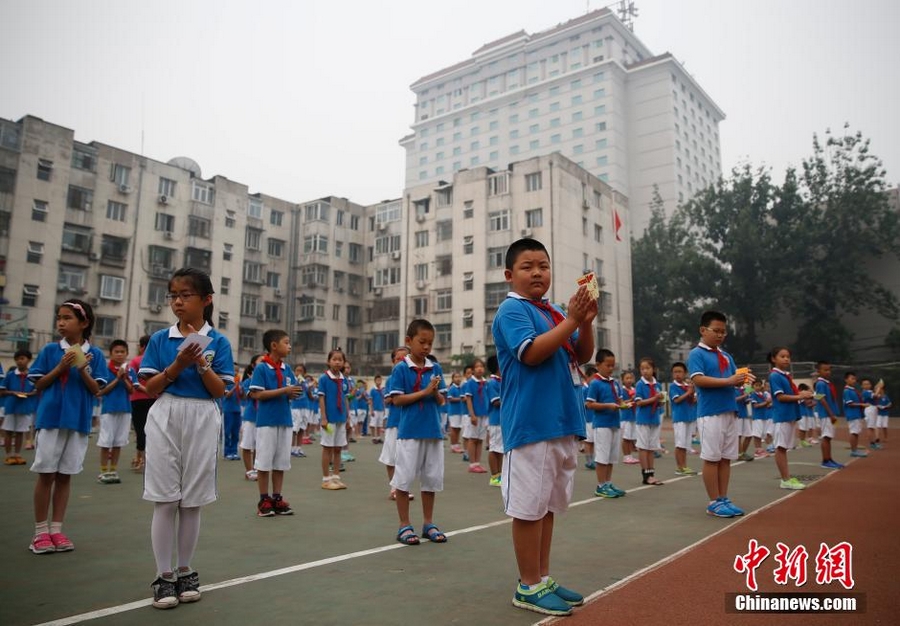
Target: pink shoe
(477,469)
(760,454)
(42,544)
(693,451)
(630,460)
(456,449)
(61,542)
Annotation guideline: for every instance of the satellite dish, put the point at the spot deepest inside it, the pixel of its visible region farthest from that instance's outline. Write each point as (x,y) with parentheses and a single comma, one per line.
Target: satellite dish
(186,163)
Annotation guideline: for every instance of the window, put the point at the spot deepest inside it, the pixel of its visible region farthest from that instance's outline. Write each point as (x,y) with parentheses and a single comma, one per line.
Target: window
(273,279)
(387,276)
(554,122)
(247,339)
(249,305)
(444,230)
(276,248)
(7,179)
(496,258)
(339,218)
(312,341)
(318,212)
(229,219)
(30,295)
(443,265)
(35,252)
(534,218)
(577,133)
(83,158)
(534,128)
(39,211)
(598,232)
(338,281)
(468,318)
(443,334)
(468,211)
(166,187)
(44,169)
(355,253)
(119,174)
(387,244)
(444,197)
(253,239)
(114,249)
(71,278)
(444,300)
(115,211)
(534,144)
(225,286)
(106,326)
(314,275)
(273,312)
(223,321)
(354,222)
(533,182)
(227,252)
(76,239)
(421,270)
(468,244)
(555,138)
(252,272)
(315,243)
(196,257)
(165,222)
(276,218)
(498,220)
(420,306)
(577,116)
(112,287)
(421,238)
(162,259)
(494,294)
(576,100)
(514,134)
(354,315)
(605,303)
(338,249)
(79,198)
(600,126)
(198,227)
(498,184)
(255,208)
(468,281)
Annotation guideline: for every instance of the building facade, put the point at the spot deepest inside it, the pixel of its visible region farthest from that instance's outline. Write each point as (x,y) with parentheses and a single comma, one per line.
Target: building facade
(589,89)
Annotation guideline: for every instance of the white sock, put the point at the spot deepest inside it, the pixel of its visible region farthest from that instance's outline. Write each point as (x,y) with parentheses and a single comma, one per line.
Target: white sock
(55,527)
(162,534)
(42,528)
(188,534)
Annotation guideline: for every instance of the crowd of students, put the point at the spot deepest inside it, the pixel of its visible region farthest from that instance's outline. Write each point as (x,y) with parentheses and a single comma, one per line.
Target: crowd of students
(530,405)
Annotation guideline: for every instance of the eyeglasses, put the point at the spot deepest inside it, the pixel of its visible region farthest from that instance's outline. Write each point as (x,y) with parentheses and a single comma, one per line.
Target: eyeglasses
(718,332)
(184,295)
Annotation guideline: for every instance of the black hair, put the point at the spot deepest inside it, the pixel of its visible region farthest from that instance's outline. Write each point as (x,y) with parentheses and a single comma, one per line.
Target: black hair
(477,361)
(118,342)
(520,246)
(774,351)
(83,312)
(803,387)
(652,363)
(143,341)
(679,364)
(337,351)
(866,378)
(272,336)
(417,325)
(712,316)
(589,370)
(248,371)
(23,352)
(849,374)
(603,354)
(493,364)
(201,282)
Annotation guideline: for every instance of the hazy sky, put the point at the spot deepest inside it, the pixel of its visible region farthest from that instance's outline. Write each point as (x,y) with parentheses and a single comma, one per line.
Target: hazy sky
(309,98)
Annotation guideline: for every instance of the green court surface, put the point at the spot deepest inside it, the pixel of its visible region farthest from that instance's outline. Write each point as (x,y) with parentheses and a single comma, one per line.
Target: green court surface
(335,561)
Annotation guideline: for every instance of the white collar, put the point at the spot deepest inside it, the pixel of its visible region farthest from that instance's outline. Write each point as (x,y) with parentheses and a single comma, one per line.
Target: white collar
(333,377)
(65,345)
(648,382)
(428,362)
(174,333)
(775,369)
(517,296)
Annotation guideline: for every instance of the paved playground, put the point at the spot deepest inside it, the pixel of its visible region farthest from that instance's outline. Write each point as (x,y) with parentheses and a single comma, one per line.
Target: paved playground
(652,557)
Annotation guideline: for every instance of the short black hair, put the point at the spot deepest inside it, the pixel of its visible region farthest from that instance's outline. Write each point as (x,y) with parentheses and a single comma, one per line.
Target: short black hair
(417,325)
(821,363)
(849,374)
(774,352)
(520,246)
(23,352)
(272,336)
(118,342)
(803,387)
(679,364)
(589,370)
(493,364)
(144,340)
(712,316)
(603,354)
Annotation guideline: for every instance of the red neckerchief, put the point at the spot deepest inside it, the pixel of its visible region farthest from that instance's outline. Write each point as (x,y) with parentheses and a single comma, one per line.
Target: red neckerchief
(630,391)
(23,376)
(340,391)
(723,360)
(276,365)
(612,385)
(831,388)
(794,389)
(556,318)
(480,388)
(417,385)
(653,391)
(858,394)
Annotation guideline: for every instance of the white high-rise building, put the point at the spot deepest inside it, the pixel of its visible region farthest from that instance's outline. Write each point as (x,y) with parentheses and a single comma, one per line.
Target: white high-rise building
(589,89)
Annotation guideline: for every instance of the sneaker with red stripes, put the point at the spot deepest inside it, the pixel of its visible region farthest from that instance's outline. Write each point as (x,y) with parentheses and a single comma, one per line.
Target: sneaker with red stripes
(61,542)
(42,544)
(265,508)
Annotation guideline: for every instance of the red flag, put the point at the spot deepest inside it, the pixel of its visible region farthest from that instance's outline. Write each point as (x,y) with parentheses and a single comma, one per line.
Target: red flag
(617,224)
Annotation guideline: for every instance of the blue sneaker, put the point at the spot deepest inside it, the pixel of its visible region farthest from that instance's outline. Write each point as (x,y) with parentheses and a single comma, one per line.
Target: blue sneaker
(589,465)
(465,456)
(734,508)
(540,600)
(770,449)
(617,491)
(572,598)
(604,491)
(875,445)
(719,508)
(861,454)
(832,464)
(695,441)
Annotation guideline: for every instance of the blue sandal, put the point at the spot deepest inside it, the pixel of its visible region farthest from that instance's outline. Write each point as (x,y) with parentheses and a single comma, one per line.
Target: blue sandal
(433,534)
(407,536)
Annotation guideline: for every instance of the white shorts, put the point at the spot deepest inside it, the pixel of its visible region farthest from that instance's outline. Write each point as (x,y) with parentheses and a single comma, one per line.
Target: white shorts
(770,426)
(273,448)
(882,421)
(607,445)
(337,438)
(784,435)
(18,422)
(376,419)
(718,437)
(682,431)
(248,436)
(496,439)
(306,418)
(358,416)
(478,431)
(807,423)
(588,432)
(456,421)
(647,436)
(826,427)
(297,420)
(758,429)
(855,426)
(871,416)
(539,478)
(745,427)
(182,446)
(114,429)
(59,451)
(627,429)
(422,459)
(388,454)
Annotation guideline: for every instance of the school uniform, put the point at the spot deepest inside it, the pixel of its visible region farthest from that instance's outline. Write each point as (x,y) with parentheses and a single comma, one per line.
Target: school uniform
(334,389)
(716,406)
(785,415)
(854,414)
(870,413)
(476,390)
(115,415)
(605,422)
(760,415)
(273,418)
(647,418)
(827,389)
(248,418)
(683,417)
(495,432)
(19,412)
(231,407)
(884,410)
(376,395)
(388,454)
(184,422)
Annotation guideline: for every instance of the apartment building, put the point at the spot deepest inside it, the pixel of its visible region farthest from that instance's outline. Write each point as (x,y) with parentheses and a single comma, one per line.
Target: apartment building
(587,88)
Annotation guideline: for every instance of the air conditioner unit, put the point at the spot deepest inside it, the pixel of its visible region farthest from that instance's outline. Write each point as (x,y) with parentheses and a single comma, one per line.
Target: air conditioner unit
(396,255)
(155,308)
(526,232)
(377,292)
(168,234)
(163,199)
(95,301)
(93,256)
(420,217)
(382,226)
(260,318)
(278,293)
(421,284)
(124,189)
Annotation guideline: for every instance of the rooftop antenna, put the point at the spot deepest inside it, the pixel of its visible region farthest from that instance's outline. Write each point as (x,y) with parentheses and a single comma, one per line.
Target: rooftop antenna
(627,12)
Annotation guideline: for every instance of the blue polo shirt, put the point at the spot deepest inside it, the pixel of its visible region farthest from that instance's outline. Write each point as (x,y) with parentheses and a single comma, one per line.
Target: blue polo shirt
(540,402)
(782,412)
(377,396)
(851,394)
(454,399)
(627,415)
(884,404)
(647,415)
(274,411)
(711,400)
(419,420)
(681,411)
(393,412)
(163,349)
(331,388)
(250,405)
(67,403)
(493,392)
(117,400)
(231,403)
(759,412)
(477,391)
(823,387)
(18,382)
(604,391)
(742,411)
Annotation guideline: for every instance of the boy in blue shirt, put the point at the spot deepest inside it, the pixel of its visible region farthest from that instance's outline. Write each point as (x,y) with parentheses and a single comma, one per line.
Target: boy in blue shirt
(115,414)
(853,411)
(495,433)
(715,376)
(542,415)
(682,396)
(828,408)
(19,405)
(603,402)
(273,386)
(376,420)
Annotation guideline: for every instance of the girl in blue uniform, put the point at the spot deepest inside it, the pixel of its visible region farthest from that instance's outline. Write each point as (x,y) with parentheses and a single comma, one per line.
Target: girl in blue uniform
(68,374)
(183,430)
